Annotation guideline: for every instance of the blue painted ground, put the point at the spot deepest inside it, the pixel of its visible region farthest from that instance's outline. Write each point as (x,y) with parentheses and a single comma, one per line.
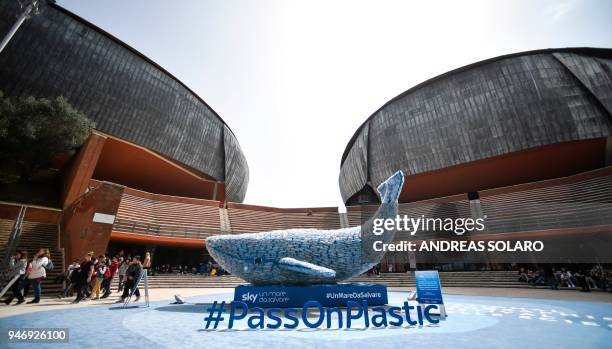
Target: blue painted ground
(473,322)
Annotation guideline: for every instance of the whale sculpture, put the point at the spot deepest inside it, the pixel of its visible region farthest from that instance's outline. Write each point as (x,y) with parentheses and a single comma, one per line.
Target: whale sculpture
(307,256)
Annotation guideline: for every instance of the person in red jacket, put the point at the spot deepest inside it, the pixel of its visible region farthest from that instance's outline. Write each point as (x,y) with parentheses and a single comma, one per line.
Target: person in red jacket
(108,278)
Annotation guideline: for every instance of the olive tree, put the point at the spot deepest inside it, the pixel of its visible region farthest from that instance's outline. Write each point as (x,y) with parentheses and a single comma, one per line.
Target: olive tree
(32,130)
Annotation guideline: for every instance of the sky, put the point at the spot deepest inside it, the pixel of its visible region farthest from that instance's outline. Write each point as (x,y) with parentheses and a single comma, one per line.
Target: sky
(295,79)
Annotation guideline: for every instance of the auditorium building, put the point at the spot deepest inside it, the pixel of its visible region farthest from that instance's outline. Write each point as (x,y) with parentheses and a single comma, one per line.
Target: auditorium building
(506,138)
(523,140)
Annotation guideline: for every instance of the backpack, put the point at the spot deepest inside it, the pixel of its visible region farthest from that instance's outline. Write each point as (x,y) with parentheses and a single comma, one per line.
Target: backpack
(49,266)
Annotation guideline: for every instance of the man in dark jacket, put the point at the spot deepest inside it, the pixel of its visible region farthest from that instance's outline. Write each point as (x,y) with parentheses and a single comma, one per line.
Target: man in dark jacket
(132,275)
(83,277)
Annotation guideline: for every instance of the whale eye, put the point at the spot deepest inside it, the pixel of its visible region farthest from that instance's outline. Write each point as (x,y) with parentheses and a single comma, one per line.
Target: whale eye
(257,260)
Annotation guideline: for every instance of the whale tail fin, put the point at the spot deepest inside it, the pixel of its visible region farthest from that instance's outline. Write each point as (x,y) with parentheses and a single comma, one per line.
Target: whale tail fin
(391,188)
(371,232)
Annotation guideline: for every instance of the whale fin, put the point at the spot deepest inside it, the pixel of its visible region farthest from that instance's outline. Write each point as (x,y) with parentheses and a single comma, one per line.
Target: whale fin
(391,188)
(292,264)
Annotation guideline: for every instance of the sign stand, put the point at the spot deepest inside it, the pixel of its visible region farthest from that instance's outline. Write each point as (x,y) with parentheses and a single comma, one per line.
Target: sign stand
(146,284)
(11,282)
(440,306)
(429,290)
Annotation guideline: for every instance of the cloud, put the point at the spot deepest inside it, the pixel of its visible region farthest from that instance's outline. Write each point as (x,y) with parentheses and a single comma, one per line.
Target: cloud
(560,8)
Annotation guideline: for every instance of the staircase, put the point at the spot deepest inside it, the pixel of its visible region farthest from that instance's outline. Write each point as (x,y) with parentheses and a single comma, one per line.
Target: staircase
(487,279)
(34,236)
(189,281)
(448,279)
(6,225)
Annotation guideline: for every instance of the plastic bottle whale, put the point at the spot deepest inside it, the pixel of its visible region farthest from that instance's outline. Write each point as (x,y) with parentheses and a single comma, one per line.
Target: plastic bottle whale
(307,256)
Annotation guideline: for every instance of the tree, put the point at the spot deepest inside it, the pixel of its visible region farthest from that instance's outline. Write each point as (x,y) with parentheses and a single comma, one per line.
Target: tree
(32,130)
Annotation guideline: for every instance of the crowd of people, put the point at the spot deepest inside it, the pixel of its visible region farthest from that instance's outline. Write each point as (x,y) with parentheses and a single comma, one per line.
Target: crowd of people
(587,279)
(91,277)
(208,268)
(88,278)
(25,274)
(84,279)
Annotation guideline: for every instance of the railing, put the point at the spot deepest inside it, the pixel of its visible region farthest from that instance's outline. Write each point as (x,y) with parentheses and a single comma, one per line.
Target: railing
(176,231)
(13,240)
(577,203)
(541,216)
(586,203)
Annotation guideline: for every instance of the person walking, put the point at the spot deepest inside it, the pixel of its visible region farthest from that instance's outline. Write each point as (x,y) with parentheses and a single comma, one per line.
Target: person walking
(17,267)
(84,275)
(97,282)
(39,263)
(132,277)
(69,277)
(122,270)
(109,275)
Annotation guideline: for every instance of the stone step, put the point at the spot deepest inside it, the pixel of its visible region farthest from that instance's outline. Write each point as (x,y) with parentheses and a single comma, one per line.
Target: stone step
(178,281)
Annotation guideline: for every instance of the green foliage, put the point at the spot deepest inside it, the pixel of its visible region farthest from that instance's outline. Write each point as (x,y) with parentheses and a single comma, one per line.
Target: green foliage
(32,130)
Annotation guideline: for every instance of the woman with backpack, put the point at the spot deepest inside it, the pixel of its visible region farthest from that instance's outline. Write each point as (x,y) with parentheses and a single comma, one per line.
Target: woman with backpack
(40,264)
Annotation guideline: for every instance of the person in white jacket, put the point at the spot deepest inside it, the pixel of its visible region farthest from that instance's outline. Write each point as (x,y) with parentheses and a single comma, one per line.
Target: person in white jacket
(18,266)
(38,272)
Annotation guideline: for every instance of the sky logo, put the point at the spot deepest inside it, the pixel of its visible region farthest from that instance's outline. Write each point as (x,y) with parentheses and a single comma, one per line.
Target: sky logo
(248,297)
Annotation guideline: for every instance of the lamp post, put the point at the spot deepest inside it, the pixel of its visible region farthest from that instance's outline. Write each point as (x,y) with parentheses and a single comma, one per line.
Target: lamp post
(30,8)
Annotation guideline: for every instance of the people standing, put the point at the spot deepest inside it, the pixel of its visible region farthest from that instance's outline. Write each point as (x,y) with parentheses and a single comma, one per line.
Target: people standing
(39,272)
(146,264)
(17,267)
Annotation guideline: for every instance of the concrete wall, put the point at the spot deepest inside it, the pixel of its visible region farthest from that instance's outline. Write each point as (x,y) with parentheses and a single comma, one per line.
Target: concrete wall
(79,233)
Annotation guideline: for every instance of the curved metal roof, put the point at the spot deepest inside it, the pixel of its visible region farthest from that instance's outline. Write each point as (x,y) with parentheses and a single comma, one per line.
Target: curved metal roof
(489,108)
(593,51)
(136,52)
(127,94)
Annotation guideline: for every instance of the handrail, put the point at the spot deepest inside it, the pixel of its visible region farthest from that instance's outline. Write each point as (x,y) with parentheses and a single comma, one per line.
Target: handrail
(11,244)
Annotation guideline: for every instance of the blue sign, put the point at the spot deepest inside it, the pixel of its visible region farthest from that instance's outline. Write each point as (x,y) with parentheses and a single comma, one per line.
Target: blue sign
(296,296)
(428,287)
